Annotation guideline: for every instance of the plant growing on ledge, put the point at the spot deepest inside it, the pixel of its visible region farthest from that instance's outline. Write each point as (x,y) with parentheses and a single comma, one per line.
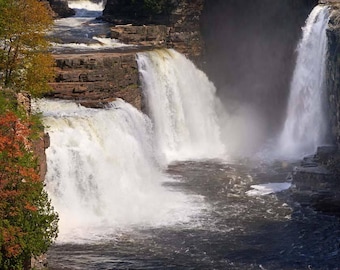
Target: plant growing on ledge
(157,6)
(143,8)
(28,223)
(25,63)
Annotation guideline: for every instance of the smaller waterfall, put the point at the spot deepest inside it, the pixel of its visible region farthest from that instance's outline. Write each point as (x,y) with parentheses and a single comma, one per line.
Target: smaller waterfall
(181,103)
(103,174)
(305,126)
(86,9)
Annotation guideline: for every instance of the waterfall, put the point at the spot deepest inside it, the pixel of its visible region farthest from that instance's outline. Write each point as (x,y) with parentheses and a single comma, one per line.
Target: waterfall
(103,172)
(181,102)
(305,126)
(86,8)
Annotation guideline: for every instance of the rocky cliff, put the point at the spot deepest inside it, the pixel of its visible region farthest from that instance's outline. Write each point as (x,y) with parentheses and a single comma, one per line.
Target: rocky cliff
(93,79)
(177,27)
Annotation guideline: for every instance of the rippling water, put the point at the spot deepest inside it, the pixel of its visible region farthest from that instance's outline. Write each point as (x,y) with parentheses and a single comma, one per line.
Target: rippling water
(235,231)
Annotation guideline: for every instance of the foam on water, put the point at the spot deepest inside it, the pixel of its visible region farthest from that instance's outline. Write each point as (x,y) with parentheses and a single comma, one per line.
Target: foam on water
(103,174)
(181,102)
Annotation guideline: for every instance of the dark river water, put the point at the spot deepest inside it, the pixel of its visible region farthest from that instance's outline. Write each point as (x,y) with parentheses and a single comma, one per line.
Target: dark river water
(236,231)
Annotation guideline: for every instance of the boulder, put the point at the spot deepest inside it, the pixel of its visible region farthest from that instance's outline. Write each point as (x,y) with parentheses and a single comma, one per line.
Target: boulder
(61,8)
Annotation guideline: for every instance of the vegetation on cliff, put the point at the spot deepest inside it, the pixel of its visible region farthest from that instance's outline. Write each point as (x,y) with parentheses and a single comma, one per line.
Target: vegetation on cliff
(143,10)
(28,222)
(24,61)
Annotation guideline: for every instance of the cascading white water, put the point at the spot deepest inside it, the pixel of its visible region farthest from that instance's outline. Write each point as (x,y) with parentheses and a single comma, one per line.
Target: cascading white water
(79,31)
(103,174)
(305,126)
(86,8)
(181,103)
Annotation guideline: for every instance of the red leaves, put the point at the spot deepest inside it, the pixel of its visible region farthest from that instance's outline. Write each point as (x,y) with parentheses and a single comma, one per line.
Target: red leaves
(17,181)
(13,134)
(11,238)
(30,207)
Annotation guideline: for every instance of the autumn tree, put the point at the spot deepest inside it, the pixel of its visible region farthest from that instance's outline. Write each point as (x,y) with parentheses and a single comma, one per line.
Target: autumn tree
(28,223)
(24,61)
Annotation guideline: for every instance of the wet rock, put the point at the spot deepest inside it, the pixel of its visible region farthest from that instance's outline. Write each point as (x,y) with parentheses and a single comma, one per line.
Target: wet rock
(324,153)
(313,178)
(316,184)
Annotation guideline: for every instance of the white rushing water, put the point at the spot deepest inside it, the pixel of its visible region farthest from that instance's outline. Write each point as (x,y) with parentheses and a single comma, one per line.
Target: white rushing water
(305,125)
(181,102)
(103,174)
(82,31)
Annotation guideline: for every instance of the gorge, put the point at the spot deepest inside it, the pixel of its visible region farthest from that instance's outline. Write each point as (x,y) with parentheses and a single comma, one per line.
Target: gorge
(168,181)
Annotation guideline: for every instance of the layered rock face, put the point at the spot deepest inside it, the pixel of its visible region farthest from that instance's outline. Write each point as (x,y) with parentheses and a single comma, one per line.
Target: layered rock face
(179,28)
(95,79)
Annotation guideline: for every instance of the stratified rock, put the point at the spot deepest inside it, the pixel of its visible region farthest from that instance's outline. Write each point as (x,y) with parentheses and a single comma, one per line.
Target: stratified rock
(96,79)
(179,28)
(316,184)
(146,35)
(324,153)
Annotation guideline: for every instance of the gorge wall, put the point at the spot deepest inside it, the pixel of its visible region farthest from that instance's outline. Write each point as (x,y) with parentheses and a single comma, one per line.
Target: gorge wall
(333,70)
(250,53)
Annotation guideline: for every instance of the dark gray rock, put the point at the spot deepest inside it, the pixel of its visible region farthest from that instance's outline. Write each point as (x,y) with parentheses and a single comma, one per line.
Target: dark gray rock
(61,8)
(316,183)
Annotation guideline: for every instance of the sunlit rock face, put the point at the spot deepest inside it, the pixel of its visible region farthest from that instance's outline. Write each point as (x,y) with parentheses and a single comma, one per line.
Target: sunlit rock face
(96,79)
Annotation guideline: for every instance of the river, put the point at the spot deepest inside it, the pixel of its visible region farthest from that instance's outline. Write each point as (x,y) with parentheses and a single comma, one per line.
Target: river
(162,190)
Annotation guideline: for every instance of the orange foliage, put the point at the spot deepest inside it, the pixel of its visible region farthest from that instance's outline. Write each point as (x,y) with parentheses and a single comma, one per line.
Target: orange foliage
(17,178)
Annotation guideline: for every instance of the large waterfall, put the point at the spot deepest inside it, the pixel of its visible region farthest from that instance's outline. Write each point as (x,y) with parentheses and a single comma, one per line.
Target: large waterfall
(305,126)
(105,165)
(181,102)
(102,171)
